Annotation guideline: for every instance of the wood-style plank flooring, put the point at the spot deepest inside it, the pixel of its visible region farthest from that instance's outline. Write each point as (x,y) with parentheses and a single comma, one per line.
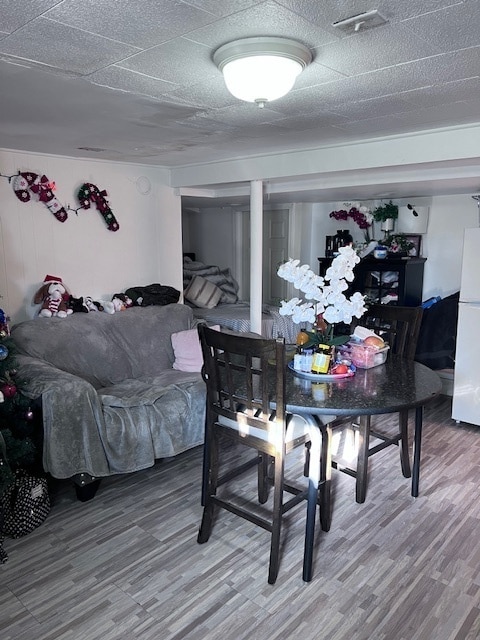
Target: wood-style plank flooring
(126,565)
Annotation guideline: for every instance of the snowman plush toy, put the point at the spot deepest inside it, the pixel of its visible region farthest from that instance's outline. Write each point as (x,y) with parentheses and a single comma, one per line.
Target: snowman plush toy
(53,296)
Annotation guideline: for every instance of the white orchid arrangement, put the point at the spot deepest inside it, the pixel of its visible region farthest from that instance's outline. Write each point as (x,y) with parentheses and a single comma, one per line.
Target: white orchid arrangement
(324,296)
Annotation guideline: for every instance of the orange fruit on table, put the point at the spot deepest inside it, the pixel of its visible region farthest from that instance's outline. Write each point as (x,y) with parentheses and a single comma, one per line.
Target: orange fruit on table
(302,338)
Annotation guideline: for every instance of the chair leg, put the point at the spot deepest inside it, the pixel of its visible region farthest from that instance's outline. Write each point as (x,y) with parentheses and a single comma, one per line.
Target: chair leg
(318,492)
(276,519)
(263,481)
(211,480)
(306,464)
(403,444)
(325,479)
(206,459)
(362,458)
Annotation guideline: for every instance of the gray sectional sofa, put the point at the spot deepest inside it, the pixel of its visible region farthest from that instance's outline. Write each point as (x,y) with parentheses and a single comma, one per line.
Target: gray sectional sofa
(112,402)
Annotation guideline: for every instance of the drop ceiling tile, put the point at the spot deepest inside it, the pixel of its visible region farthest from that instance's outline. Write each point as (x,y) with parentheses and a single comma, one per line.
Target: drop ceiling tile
(224,7)
(151,23)
(446,67)
(419,120)
(329,11)
(442,115)
(310,121)
(17,13)
(210,93)
(206,122)
(323,134)
(244,113)
(64,47)
(131,81)
(315,74)
(374,126)
(373,108)
(267,18)
(168,62)
(444,93)
(345,91)
(449,26)
(374,49)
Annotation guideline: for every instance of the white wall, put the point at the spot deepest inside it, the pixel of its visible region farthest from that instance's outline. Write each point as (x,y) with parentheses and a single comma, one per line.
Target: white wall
(443,243)
(90,259)
(210,234)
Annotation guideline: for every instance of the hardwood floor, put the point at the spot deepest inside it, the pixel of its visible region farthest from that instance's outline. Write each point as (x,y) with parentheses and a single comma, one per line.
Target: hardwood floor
(126,565)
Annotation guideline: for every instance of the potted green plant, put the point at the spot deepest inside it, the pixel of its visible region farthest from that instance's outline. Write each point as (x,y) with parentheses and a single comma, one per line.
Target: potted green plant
(386,214)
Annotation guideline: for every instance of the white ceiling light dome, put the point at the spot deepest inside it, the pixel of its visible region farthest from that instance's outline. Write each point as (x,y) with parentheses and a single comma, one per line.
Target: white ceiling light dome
(261,69)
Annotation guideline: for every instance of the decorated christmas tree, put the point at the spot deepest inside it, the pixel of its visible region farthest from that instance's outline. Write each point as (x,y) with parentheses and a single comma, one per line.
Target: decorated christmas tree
(17,420)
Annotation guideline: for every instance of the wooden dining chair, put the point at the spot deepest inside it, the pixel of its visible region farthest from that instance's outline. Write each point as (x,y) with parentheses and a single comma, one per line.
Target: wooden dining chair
(399,327)
(244,375)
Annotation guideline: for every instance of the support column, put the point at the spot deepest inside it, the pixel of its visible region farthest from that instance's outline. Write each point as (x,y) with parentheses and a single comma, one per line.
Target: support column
(256,254)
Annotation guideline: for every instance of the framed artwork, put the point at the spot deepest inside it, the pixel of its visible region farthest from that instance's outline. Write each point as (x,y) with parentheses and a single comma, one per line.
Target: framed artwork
(416,240)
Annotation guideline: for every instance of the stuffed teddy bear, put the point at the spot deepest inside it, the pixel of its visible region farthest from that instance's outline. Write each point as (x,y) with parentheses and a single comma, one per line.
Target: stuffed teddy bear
(53,296)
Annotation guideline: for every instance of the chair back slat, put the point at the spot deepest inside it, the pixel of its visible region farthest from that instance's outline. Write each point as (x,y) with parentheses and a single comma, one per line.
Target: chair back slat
(398,326)
(244,375)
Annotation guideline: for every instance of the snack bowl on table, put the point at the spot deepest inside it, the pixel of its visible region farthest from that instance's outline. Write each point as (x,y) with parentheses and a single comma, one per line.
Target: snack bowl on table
(364,356)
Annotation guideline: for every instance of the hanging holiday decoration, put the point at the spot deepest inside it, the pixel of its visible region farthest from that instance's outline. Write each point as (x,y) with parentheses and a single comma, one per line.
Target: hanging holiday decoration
(4,328)
(89,192)
(42,188)
(26,183)
(3,352)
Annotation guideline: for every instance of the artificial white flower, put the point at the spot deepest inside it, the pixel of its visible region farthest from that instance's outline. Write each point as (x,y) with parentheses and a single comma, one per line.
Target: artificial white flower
(323,295)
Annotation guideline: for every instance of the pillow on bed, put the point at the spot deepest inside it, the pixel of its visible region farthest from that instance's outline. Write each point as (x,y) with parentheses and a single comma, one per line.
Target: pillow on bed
(187,350)
(202,293)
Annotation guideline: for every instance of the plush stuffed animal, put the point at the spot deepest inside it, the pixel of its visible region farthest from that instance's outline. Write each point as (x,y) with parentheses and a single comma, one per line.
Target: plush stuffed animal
(77,305)
(121,302)
(99,305)
(53,296)
(93,305)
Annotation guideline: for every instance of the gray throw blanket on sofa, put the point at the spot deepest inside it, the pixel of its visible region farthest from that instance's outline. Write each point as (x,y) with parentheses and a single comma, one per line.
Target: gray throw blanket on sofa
(112,401)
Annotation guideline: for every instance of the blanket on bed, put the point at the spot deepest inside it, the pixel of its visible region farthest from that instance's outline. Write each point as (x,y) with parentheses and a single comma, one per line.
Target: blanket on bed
(222,278)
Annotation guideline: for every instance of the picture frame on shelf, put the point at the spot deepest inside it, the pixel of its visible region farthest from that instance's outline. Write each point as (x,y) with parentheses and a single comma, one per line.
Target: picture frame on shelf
(416,240)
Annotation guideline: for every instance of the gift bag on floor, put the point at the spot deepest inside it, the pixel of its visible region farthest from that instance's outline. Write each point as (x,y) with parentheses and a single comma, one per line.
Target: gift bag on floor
(26,504)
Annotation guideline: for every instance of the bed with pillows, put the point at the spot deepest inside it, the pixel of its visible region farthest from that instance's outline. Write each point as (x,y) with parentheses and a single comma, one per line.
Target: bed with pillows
(212,293)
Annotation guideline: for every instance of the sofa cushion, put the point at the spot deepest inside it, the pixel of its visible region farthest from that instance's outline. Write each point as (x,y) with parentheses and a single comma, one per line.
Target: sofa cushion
(203,293)
(168,412)
(187,350)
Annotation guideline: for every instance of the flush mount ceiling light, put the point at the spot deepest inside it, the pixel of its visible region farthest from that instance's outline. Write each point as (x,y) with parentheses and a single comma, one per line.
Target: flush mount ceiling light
(261,69)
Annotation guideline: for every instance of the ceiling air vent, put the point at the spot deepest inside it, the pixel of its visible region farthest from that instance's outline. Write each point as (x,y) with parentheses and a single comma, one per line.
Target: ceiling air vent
(92,149)
(361,22)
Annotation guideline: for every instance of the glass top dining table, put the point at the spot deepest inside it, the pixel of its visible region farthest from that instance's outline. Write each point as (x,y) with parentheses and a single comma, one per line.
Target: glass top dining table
(397,385)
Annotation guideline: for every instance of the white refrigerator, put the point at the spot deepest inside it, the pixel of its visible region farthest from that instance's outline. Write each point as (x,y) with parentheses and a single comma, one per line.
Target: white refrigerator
(466,385)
